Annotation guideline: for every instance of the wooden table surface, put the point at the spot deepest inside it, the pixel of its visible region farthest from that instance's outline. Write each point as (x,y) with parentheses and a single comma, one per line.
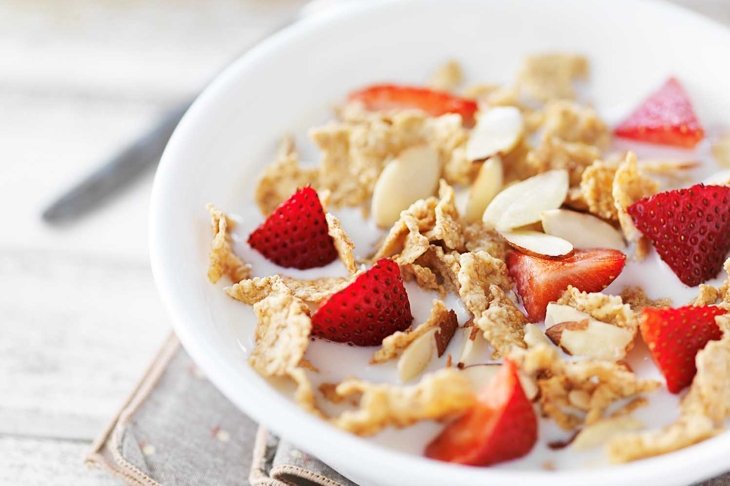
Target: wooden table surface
(79,315)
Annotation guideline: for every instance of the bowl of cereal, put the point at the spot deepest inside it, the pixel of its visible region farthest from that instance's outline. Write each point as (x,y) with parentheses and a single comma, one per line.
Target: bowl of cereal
(487,243)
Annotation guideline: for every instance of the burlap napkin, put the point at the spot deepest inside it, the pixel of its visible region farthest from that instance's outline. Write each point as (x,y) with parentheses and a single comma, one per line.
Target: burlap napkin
(177,428)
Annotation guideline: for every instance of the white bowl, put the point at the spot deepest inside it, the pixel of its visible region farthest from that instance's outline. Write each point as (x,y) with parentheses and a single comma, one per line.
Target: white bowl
(288,82)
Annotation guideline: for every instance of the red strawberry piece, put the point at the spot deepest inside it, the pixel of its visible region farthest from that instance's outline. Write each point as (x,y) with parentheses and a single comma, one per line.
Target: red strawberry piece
(690,229)
(675,336)
(501,426)
(666,117)
(296,233)
(390,96)
(372,307)
(542,280)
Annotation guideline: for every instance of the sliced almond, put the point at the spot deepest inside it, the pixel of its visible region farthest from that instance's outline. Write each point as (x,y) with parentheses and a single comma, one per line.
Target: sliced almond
(557,313)
(445,332)
(599,433)
(536,243)
(497,131)
(476,348)
(529,386)
(592,339)
(534,336)
(416,356)
(523,203)
(411,176)
(582,230)
(721,178)
(480,374)
(487,184)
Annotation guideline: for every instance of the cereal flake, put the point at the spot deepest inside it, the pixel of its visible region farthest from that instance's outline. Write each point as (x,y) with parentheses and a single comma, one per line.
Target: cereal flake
(223,261)
(343,243)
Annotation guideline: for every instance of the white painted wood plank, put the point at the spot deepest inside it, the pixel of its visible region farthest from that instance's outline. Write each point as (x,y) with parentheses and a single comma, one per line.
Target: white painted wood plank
(33,462)
(77,333)
(152,50)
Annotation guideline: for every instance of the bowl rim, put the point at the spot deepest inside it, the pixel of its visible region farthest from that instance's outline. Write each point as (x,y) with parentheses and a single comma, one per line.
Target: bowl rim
(686,465)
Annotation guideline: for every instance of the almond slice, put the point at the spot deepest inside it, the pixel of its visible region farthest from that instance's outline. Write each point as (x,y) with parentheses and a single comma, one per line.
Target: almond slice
(411,176)
(497,131)
(485,187)
(721,178)
(536,243)
(476,348)
(557,313)
(592,339)
(481,374)
(523,203)
(600,432)
(582,230)
(416,356)
(534,336)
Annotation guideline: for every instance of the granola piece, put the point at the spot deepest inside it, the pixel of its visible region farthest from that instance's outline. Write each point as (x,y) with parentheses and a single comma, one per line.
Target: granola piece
(550,76)
(223,261)
(253,290)
(555,153)
(447,228)
(572,122)
(578,392)
(596,186)
(478,271)
(405,238)
(424,277)
(282,178)
(449,137)
(517,166)
(707,295)
(576,200)
(304,394)
(437,396)
(477,236)
(343,243)
(281,338)
(709,394)
(502,323)
(282,333)
(447,77)
(397,342)
(445,266)
(603,307)
(686,431)
(630,185)
(637,299)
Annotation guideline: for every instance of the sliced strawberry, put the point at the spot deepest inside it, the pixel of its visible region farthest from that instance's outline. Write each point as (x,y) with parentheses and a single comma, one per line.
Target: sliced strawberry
(371,308)
(675,336)
(540,280)
(390,96)
(690,229)
(666,117)
(500,427)
(296,233)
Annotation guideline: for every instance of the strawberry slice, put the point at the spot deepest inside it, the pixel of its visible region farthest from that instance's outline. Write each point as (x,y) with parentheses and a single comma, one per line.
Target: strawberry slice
(372,307)
(500,427)
(666,117)
(690,229)
(296,233)
(675,336)
(390,96)
(541,280)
